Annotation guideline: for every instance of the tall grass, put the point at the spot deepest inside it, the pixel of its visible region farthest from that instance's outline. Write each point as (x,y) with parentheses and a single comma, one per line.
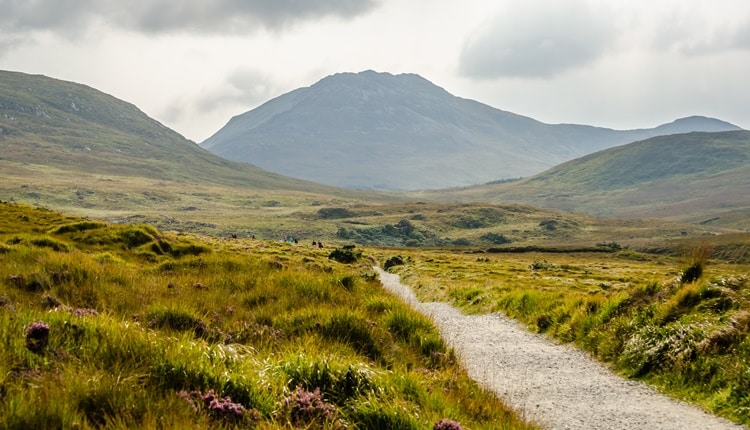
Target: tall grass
(642,316)
(140,336)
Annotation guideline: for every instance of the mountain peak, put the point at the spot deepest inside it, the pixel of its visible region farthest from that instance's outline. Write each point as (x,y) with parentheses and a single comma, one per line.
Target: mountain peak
(696,122)
(379,130)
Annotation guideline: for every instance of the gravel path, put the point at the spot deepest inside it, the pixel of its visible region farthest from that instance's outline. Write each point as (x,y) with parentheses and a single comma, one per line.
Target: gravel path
(554,385)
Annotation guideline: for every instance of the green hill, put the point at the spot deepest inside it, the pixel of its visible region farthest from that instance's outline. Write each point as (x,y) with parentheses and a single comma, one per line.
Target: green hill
(72,148)
(45,121)
(693,177)
(402,132)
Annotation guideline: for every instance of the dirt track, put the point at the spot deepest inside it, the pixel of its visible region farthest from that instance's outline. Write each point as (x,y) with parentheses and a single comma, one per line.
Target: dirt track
(554,385)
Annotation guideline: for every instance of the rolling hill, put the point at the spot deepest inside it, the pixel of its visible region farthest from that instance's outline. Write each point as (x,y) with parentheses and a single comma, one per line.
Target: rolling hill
(376,130)
(693,177)
(70,126)
(73,148)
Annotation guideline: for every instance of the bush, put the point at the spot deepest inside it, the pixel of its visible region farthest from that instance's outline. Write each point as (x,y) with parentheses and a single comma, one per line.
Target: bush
(345,255)
(396,260)
(495,238)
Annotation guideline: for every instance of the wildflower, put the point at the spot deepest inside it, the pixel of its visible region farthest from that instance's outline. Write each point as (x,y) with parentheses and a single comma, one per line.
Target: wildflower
(215,406)
(446,424)
(305,406)
(84,312)
(37,336)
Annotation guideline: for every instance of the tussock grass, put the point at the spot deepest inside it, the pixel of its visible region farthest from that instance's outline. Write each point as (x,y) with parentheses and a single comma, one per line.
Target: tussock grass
(128,336)
(634,311)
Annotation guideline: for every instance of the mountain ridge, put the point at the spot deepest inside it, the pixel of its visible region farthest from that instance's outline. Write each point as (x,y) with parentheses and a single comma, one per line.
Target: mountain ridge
(695,177)
(378,130)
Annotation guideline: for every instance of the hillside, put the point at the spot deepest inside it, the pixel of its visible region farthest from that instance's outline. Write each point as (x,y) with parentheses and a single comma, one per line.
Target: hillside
(73,148)
(72,127)
(131,327)
(376,130)
(694,177)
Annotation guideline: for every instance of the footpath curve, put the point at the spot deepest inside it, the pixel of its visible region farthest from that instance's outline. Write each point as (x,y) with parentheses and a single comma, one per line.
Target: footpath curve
(554,385)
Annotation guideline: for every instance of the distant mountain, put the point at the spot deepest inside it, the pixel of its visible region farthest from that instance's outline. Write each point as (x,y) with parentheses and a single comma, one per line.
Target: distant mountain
(68,126)
(377,130)
(695,177)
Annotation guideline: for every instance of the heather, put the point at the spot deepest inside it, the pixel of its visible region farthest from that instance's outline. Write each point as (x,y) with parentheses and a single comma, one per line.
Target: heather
(127,326)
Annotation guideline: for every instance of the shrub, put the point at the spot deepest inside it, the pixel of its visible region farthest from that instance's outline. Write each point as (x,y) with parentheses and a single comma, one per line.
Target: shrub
(495,238)
(396,260)
(345,255)
(692,273)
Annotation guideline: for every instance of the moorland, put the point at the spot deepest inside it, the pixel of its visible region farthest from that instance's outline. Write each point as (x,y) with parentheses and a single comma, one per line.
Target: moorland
(144,279)
(126,326)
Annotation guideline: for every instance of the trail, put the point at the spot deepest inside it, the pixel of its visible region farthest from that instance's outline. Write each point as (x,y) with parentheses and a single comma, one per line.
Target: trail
(554,385)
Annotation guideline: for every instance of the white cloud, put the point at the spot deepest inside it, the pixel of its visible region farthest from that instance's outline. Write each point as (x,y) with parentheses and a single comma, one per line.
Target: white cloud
(537,40)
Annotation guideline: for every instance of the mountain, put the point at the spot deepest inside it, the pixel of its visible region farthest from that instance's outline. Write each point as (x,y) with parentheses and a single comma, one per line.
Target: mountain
(694,177)
(69,126)
(72,148)
(377,130)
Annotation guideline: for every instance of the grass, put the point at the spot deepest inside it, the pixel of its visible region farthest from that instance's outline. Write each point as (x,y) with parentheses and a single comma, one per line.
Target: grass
(635,311)
(116,329)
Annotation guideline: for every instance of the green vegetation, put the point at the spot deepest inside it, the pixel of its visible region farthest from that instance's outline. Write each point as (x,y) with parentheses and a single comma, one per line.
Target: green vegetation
(681,323)
(126,326)
(690,177)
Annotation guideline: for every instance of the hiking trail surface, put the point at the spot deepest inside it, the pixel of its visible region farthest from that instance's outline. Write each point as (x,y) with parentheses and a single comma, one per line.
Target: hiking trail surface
(555,386)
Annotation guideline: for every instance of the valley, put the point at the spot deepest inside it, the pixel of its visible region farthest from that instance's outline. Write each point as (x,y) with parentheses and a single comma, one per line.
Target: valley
(122,237)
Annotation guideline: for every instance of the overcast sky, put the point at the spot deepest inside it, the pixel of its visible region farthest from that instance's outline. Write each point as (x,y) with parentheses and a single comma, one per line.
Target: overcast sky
(193,64)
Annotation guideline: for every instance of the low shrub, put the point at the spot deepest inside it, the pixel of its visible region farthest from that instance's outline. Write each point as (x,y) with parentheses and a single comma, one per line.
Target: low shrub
(346,255)
(393,261)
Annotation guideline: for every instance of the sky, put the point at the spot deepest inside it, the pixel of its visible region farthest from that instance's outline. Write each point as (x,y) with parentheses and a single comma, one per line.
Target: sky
(193,64)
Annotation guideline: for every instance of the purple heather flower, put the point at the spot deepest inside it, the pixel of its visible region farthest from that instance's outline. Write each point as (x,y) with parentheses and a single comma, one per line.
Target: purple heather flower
(213,404)
(306,406)
(446,424)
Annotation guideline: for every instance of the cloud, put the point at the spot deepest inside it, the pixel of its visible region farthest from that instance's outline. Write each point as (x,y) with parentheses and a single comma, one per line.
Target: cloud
(701,28)
(536,40)
(240,90)
(244,86)
(165,16)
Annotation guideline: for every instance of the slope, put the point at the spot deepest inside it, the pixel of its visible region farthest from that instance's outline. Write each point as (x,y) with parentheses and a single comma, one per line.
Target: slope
(75,149)
(44,121)
(377,130)
(694,177)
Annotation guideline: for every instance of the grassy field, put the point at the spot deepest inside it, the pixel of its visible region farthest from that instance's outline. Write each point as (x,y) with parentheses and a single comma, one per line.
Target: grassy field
(126,326)
(679,322)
